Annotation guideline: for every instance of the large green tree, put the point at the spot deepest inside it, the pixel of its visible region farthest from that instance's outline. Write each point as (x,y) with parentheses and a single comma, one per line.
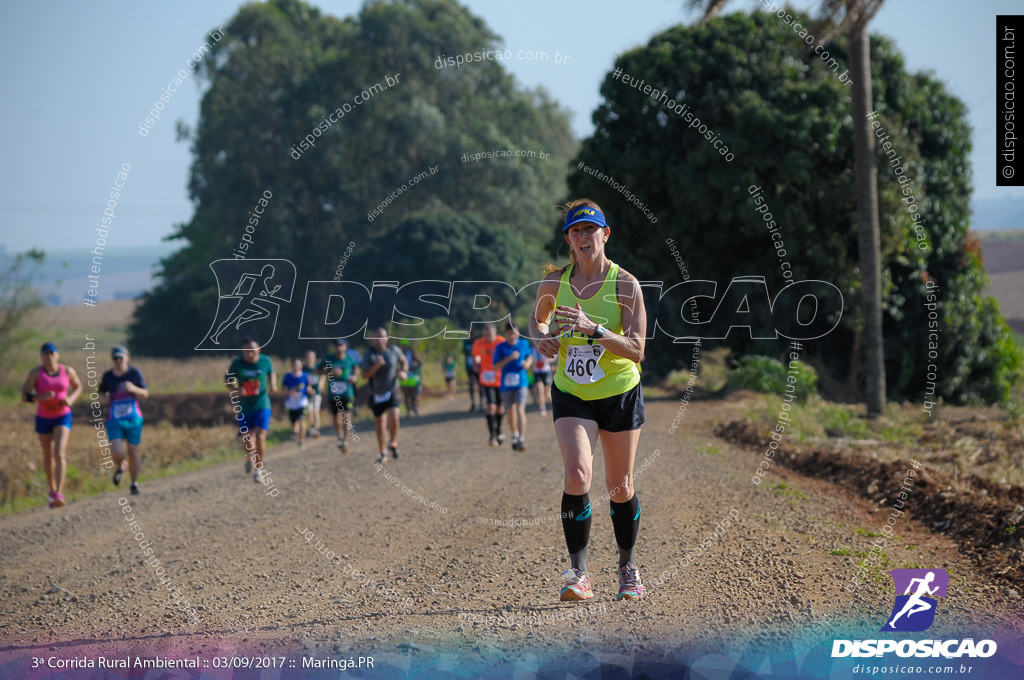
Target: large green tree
(786,118)
(282,67)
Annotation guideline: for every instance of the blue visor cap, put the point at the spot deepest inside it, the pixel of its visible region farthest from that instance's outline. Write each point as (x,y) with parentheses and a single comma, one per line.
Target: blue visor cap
(584,213)
(48,347)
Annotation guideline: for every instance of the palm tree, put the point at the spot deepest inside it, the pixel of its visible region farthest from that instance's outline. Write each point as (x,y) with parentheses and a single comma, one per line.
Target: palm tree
(852,17)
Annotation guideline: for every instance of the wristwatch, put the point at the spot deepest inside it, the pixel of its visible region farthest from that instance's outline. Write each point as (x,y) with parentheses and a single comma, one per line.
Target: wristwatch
(599,333)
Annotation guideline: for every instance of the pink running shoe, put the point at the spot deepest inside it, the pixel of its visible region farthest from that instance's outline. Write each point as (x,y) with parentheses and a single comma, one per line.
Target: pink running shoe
(630,586)
(577,586)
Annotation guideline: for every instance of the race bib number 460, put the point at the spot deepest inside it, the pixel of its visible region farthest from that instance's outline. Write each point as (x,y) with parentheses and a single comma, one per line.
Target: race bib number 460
(583,363)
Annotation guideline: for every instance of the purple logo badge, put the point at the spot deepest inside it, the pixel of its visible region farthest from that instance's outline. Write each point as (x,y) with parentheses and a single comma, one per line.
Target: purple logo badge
(915,608)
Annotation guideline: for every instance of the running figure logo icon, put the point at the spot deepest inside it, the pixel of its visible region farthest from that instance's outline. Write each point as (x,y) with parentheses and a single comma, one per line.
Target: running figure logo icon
(915,611)
(252,306)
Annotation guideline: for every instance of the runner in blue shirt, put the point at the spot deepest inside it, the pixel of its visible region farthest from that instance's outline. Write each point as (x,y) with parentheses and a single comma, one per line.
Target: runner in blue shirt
(124,386)
(298,389)
(514,358)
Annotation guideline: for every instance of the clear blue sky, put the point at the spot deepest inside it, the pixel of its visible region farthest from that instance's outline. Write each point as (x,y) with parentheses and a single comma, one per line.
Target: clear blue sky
(80,76)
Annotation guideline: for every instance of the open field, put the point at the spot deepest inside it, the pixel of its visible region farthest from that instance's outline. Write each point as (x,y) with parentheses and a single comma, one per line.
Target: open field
(1004,263)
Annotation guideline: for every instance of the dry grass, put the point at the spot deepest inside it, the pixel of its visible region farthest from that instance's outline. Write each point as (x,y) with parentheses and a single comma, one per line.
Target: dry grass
(165,450)
(198,374)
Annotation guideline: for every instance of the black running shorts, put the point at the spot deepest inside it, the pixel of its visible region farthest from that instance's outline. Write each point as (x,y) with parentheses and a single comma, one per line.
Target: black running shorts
(380,408)
(618,413)
(491,395)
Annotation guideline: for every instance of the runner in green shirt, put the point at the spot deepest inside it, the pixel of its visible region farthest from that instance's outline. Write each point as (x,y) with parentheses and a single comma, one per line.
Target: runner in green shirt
(250,380)
(342,372)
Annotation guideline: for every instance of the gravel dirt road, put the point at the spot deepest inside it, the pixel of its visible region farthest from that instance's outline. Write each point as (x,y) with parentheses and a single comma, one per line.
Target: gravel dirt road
(452,577)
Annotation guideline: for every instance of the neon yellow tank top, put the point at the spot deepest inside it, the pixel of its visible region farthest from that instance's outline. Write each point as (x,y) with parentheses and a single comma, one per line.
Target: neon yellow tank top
(590,371)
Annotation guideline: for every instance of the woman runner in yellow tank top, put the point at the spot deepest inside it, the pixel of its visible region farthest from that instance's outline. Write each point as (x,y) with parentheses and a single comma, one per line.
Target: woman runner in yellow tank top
(591,316)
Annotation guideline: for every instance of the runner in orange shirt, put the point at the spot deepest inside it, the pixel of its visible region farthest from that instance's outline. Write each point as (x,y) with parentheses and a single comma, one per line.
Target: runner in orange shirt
(490,381)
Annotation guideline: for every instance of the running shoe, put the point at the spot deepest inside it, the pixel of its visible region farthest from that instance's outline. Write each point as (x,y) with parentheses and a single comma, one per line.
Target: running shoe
(577,586)
(341,444)
(472,408)
(522,444)
(117,477)
(314,433)
(58,499)
(394,450)
(380,457)
(493,442)
(501,438)
(248,465)
(302,442)
(53,501)
(256,476)
(630,586)
(135,488)
(344,447)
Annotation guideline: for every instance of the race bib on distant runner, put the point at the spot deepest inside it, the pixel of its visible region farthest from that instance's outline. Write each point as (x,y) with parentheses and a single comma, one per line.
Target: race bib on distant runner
(487,377)
(251,388)
(339,386)
(583,363)
(381,398)
(122,409)
(511,379)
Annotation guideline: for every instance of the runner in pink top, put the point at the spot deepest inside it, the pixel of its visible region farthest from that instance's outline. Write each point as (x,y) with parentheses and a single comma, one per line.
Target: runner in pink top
(57,385)
(54,387)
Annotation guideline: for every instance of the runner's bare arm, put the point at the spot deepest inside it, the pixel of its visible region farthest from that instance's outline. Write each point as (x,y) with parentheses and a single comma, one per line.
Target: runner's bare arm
(633,340)
(368,373)
(272,383)
(140,392)
(74,382)
(540,330)
(28,390)
(230,379)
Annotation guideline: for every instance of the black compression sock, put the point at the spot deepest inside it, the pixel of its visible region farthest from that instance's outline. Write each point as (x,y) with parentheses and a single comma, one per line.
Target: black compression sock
(497,420)
(490,424)
(576,525)
(626,523)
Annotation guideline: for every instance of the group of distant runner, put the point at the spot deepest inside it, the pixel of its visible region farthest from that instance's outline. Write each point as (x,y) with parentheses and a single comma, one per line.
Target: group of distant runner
(587,327)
